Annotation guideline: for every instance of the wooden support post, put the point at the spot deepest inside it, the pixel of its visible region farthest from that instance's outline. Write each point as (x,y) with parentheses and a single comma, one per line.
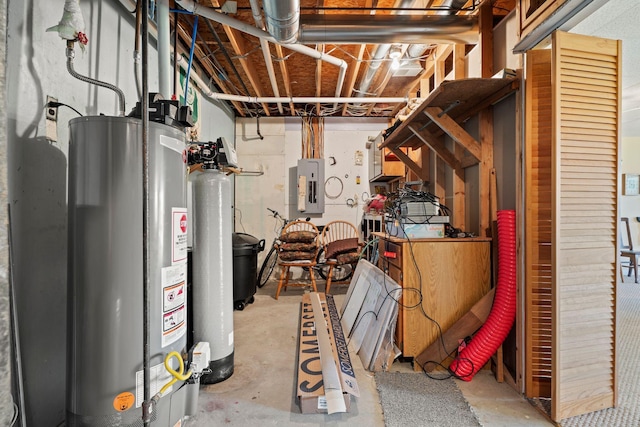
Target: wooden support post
(486,116)
(497,359)
(459,70)
(459,193)
(425,162)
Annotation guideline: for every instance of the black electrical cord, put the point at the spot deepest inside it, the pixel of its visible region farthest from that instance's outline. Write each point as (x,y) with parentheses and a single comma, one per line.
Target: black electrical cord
(226,55)
(56,104)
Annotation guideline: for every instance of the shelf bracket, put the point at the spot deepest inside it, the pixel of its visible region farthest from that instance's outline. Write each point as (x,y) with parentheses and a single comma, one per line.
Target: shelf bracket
(454,130)
(410,163)
(436,145)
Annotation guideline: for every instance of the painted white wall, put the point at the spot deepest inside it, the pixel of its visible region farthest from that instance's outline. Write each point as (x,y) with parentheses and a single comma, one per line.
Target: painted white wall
(254,194)
(37,170)
(474,63)
(505,36)
(279,152)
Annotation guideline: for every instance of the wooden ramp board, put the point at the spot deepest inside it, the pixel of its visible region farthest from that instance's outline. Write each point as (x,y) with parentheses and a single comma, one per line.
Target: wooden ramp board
(466,326)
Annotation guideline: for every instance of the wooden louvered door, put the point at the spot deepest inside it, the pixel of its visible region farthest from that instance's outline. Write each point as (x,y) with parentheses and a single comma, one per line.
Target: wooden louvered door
(571,305)
(586,81)
(538,187)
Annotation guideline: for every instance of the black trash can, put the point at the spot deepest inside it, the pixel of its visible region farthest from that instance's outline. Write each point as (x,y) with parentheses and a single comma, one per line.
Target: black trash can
(245,268)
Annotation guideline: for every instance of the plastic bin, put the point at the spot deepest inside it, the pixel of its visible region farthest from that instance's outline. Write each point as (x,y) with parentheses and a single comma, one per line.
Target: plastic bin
(245,268)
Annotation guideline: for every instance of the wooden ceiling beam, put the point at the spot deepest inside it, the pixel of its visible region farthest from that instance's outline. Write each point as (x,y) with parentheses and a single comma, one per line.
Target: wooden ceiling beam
(285,76)
(383,84)
(242,47)
(241,51)
(354,67)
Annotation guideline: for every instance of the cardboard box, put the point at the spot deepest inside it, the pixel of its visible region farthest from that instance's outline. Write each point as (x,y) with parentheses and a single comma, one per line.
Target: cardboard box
(414,231)
(310,390)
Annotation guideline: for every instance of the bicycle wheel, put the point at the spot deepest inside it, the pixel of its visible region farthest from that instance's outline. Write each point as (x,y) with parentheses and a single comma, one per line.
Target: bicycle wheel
(341,273)
(268,265)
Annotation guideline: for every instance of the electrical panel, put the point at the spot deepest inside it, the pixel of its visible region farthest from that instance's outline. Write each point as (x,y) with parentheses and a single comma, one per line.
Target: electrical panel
(310,183)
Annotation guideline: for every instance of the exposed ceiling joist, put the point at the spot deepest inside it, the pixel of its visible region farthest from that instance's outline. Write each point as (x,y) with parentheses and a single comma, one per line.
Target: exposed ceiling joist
(299,77)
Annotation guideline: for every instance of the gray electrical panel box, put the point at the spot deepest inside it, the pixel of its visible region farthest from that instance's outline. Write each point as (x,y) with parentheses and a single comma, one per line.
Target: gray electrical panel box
(310,183)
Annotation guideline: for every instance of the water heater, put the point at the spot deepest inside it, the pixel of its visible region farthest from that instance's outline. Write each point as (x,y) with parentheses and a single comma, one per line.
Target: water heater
(105,352)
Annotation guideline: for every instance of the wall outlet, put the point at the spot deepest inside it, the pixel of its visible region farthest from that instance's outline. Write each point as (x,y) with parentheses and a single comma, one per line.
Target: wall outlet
(51,112)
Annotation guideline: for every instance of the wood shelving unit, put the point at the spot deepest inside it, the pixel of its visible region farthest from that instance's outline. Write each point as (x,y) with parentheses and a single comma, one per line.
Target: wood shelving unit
(449,105)
(443,113)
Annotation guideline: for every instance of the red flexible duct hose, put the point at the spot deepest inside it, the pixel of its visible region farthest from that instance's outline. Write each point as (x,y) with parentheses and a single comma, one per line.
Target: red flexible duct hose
(503,312)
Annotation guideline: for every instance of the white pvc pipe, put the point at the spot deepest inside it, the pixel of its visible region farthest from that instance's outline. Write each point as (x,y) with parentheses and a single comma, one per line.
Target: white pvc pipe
(208,12)
(308,99)
(164,49)
(206,91)
(266,52)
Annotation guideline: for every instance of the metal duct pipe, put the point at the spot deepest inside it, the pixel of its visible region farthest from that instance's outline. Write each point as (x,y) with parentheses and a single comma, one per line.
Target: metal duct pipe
(376,58)
(382,49)
(453,7)
(207,12)
(266,52)
(283,19)
(350,29)
(416,50)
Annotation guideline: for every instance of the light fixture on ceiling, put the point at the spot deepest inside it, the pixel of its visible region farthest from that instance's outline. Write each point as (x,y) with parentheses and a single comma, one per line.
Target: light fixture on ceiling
(395,52)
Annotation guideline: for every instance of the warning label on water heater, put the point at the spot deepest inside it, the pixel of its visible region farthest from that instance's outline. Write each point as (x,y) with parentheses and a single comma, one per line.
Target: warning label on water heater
(174,298)
(178,235)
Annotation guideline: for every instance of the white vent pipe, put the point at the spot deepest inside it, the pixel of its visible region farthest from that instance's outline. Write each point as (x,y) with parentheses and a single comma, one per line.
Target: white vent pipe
(206,91)
(164,49)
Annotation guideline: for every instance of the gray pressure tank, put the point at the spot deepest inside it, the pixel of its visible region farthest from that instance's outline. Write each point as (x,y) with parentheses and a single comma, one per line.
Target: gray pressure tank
(213,271)
(105,306)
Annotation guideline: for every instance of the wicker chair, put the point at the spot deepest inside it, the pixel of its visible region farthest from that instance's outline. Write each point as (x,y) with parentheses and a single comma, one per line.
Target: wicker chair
(298,247)
(342,246)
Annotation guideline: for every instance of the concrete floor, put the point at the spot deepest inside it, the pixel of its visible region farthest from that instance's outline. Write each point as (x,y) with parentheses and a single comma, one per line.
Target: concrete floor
(261,390)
